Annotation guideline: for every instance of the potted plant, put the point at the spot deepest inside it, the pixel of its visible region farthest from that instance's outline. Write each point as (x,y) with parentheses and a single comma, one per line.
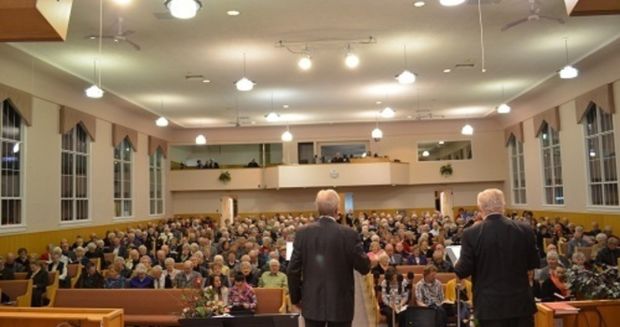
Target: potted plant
(446,170)
(224,177)
(600,283)
(199,306)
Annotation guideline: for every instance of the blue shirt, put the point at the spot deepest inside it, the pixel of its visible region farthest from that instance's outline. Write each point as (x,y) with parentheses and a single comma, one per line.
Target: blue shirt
(135,282)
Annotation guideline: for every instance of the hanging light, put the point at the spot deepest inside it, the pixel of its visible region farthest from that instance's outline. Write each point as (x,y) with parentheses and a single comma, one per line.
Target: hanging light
(305,63)
(272,117)
(467,130)
(351,60)
(161,122)
(244,84)
(201,140)
(376,134)
(183,9)
(94,92)
(568,72)
(287,136)
(503,109)
(388,112)
(451,3)
(426,153)
(406,77)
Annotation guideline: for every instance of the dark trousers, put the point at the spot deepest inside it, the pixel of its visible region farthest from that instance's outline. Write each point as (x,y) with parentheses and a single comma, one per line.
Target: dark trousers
(314,323)
(387,312)
(441,317)
(527,321)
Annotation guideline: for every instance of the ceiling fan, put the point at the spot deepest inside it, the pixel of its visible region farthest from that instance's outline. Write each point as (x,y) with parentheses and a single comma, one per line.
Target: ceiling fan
(239,120)
(533,16)
(120,36)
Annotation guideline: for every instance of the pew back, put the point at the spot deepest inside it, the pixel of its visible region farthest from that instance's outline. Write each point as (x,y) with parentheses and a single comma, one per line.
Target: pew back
(19,291)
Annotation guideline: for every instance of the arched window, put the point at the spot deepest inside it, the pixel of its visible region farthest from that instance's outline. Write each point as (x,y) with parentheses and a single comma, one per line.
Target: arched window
(74,191)
(553,188)
(123,158)
(11,137)
(517,169)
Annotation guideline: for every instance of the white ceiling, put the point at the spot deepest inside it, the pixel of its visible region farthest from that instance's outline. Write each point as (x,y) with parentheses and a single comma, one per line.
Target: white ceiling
(213,43)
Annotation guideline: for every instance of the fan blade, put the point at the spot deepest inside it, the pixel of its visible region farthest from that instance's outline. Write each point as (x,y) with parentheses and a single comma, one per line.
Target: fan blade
(127,33)
(133,44)
(94,37)
(513,24)
(559,20)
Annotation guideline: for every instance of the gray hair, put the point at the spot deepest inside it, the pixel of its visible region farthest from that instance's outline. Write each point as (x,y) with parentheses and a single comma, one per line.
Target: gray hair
(491,201)
(327,202)
(553,255)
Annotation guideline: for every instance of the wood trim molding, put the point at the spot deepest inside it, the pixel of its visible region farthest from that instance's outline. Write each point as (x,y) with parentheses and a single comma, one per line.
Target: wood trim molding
(515,131)
(21,100)
(156,143)
(602,96)
(551,117)
(119,133)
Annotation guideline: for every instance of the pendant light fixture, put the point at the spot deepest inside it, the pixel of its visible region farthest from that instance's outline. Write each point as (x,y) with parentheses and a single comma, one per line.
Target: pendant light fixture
(183,9)
(406,77)
(451,3)
(95,91)
(467,130)
(244,84)
(377,133)
(568,72)
(351,60)
(305,62)
(503,108)
(201,140)
(287,136)
(388,112)
(161,121)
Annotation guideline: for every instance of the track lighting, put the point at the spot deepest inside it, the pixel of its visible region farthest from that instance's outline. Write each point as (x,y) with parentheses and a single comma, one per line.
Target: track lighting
(183,9)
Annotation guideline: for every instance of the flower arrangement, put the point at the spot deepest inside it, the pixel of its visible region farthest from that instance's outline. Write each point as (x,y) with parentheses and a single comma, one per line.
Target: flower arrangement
(199,303)
(596,284)
(224,177)
(445,170)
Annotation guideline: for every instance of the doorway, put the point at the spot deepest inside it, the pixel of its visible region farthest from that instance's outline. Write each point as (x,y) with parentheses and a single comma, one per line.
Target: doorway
(444,202)
(228,208)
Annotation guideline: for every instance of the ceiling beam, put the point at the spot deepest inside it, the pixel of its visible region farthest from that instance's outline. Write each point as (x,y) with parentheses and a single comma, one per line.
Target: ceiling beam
(592,7)
(34,20)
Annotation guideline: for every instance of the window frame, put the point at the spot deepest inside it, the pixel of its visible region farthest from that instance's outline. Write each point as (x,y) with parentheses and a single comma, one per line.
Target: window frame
(520,156)
(157,155)
(125,145)
(21,226)
(598,136)
(551,146)
(74,154)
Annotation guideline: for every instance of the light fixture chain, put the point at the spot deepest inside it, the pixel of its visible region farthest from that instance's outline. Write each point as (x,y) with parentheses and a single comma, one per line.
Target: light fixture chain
(482,52)
(100,43)
(566,48)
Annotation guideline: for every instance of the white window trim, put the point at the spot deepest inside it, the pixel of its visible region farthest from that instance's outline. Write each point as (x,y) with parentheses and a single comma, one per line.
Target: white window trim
(88,185)
(22,226)
(512,182)
(121,161)
(542,165)
(586,137)
(163,185)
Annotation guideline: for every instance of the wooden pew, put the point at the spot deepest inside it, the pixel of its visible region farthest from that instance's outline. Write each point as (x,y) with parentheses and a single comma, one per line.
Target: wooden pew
(19,291)
(591,313)
(404,269)
(21,275)
(52,287)
(270,300)
(74,271)
(36,317)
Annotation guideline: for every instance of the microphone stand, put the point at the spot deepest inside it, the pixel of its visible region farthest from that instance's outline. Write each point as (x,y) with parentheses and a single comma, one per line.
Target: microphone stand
(458,305)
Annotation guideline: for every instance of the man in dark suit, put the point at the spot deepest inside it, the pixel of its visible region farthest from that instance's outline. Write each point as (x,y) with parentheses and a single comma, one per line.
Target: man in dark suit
(320,273)
(498,253)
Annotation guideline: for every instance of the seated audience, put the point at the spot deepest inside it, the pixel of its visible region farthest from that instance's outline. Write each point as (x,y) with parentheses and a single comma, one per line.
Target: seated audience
(220,291)
(216,270)
(610,254)
(64,280)
(170,271)
(80,256)
(160,280)
(554,288)
(534,286)
(441,263)
(241,297)
(375,251)
(416,258)
(40,280)
(382,265)
(578,261)
(394,297)
(5,272)
(553,262)
(188,278)
(12,264)
(274,278)
(90,278)
(115,280)
(600,243)
(429,293)
(249,273)
(577,241)
(23,260)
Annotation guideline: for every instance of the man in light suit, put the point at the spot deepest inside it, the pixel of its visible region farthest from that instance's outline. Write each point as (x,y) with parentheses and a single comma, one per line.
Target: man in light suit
(320,273)
(188,278)
(498,253)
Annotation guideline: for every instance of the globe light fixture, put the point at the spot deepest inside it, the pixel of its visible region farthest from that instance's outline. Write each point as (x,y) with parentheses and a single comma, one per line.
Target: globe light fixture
(467,130)
(406,77)
(568,72)
(388,112)
(376,134)
(94,92)
(503,109)
(244,84)
(305,63)
(183,9)
(351,60)
(272,117)
(287,136)
(201,140)
(161,122)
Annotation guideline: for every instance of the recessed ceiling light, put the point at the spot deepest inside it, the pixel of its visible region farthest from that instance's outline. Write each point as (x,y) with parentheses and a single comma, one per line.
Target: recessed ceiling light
(447,70)
(419,4)
(233,13)
(206,81)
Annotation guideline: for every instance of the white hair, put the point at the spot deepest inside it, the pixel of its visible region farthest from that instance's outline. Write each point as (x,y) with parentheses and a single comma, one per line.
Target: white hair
(327,202)
(491,201)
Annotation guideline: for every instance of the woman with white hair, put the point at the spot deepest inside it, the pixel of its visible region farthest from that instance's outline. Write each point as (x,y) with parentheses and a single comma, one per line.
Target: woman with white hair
(141,279)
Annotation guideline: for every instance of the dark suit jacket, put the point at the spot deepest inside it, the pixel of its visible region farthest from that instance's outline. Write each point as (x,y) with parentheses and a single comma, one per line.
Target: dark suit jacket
(320,273)
(498,253)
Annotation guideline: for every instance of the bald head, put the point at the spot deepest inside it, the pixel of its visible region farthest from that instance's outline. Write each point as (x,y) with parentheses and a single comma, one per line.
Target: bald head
(491,201)
(327,203)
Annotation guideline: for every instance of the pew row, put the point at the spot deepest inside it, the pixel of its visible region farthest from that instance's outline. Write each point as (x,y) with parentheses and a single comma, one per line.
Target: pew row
(150,307)
(591,313)
(18,291)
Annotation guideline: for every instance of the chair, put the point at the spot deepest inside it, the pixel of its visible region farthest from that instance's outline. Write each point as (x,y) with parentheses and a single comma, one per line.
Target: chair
(420,317)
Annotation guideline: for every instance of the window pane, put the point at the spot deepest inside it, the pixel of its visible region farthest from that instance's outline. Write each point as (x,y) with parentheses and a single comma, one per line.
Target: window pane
(66,210)
(607,123)
(611,194)
(118,208)
(591,122)
(596,192)
(82,209)
(11,212)
(549,195)
(127,208)
(559,195)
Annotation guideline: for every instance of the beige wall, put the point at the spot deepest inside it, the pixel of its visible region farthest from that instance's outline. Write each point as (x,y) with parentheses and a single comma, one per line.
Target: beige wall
(377,197)
(42,142)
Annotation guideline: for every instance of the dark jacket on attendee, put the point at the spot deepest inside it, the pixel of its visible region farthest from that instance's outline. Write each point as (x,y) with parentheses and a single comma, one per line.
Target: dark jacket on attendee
(7,274)
(548,291)
(320,273)
(420,260)
(608,257)
(498,253)
(40,280)
(94,281)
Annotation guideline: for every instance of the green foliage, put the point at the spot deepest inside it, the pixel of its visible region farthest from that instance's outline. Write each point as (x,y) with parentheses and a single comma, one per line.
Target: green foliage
(224,177)
(599,283)
(446,170)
